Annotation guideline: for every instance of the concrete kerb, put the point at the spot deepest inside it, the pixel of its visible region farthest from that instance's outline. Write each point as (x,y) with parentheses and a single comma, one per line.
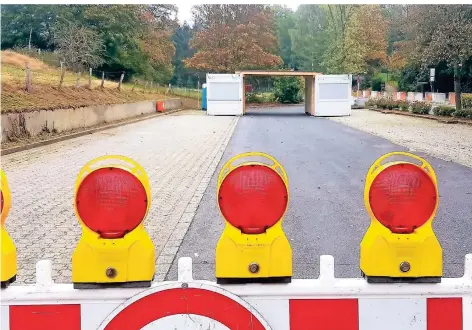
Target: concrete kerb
(84,132)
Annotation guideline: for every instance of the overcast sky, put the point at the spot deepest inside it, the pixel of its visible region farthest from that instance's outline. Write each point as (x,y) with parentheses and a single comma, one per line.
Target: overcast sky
(185,10)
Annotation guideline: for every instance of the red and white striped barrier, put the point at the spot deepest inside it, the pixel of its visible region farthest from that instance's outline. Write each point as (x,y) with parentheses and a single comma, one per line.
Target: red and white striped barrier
(326,303)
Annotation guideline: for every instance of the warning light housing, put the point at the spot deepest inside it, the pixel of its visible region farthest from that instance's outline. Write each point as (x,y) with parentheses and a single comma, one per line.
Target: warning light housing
(112,199)
(8,249)
(253,198)
(401,199)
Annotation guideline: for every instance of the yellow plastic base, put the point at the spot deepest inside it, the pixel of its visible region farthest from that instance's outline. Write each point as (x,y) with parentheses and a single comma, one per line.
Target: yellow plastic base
(132,257)
(236,251)
(8,252)
(382,252)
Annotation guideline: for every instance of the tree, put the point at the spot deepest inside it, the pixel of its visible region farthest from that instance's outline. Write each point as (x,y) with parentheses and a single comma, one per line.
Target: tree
(338,20)
(366,40)
(442,33)
(285,22)
(20,22)
(181,39)
(233,37)
(80,47)
(309,37)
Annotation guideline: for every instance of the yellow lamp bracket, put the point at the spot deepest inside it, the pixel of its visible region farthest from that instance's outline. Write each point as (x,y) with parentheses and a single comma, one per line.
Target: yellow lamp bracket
(127,261)
(386,256)
(253,258)
(8,249)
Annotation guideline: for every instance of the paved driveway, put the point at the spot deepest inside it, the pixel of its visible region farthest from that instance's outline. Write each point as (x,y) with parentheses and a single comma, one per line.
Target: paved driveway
(326,163)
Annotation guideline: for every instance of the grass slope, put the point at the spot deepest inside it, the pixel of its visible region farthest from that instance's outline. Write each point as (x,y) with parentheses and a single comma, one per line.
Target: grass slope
(46,94)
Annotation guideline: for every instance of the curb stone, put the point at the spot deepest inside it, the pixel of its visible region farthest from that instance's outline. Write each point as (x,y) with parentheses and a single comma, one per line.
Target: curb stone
(82,133)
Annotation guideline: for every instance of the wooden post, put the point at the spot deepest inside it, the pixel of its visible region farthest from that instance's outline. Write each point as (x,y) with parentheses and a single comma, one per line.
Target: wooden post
(63,72)
(28,77)
(150,89)
(29,41)
(134,85)
(145,86)
(77,81)
(102,84)
(90,79)
(198,93)
(121,81)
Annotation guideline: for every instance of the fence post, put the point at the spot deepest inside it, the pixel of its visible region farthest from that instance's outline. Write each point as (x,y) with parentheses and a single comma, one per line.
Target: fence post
(198,93)
(77,81)
(150,89)
(102,84)
(63,72)
(28,77)
(121,81)
(134,85)
(145,86)
(90,79)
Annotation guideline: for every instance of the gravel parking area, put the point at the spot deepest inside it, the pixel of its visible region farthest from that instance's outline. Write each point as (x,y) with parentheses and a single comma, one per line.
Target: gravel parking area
(451,142)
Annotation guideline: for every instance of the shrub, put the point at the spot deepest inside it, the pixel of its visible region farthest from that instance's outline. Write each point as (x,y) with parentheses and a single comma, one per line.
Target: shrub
(421,108)
(466,100)
(287,90)
(382,103)
(371,103)
(393,104)
(443,111)
(403,106)
(464,113)
(267,97)
(253,98)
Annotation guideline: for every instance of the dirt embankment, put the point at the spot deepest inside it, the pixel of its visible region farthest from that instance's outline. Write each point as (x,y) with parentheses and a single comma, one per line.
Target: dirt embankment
(45,93)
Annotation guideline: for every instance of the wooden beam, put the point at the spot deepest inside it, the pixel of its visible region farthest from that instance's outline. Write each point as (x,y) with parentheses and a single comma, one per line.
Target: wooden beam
(279,73)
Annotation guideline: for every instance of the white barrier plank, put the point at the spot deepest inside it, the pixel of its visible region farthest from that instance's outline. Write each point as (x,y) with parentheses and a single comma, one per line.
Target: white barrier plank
(275,312)
(392,314)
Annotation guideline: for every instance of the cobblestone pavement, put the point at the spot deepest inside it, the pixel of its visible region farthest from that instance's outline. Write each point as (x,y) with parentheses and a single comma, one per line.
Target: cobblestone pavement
(452,142)
(179,152)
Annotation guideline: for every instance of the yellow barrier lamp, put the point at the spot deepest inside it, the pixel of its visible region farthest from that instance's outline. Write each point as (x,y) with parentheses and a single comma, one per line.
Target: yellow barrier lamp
(253,198)
(8,247)
(112,198)
(400,245)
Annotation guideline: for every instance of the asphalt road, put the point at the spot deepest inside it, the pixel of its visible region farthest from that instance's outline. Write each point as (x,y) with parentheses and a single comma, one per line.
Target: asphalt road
(326,163)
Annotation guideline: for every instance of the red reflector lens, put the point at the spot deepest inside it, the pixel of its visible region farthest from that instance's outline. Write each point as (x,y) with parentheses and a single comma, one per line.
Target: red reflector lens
(253,198)
(111,202)
(402,197)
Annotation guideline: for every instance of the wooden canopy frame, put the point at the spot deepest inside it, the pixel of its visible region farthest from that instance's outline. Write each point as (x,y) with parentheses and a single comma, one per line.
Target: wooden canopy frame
(309,85)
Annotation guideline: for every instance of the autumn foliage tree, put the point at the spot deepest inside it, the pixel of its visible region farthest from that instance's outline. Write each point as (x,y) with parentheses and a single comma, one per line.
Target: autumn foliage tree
(233,37)
(366,40)
(441,33)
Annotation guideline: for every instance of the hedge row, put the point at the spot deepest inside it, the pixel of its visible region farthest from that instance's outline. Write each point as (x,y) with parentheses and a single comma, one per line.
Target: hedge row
(424,108)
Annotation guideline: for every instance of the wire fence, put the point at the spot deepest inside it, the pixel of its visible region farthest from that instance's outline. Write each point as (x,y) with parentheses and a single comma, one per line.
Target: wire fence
(51,71)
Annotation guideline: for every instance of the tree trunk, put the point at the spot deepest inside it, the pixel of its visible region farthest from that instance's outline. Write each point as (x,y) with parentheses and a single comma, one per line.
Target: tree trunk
(457,87)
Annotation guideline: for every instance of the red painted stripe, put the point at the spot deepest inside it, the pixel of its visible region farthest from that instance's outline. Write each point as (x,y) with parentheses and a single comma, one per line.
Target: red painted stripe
(182,301)
(324,314)
(45,317)
(444,314)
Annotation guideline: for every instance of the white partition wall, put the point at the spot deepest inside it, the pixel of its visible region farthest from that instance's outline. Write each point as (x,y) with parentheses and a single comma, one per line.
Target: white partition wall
(333,95)
(224,94)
